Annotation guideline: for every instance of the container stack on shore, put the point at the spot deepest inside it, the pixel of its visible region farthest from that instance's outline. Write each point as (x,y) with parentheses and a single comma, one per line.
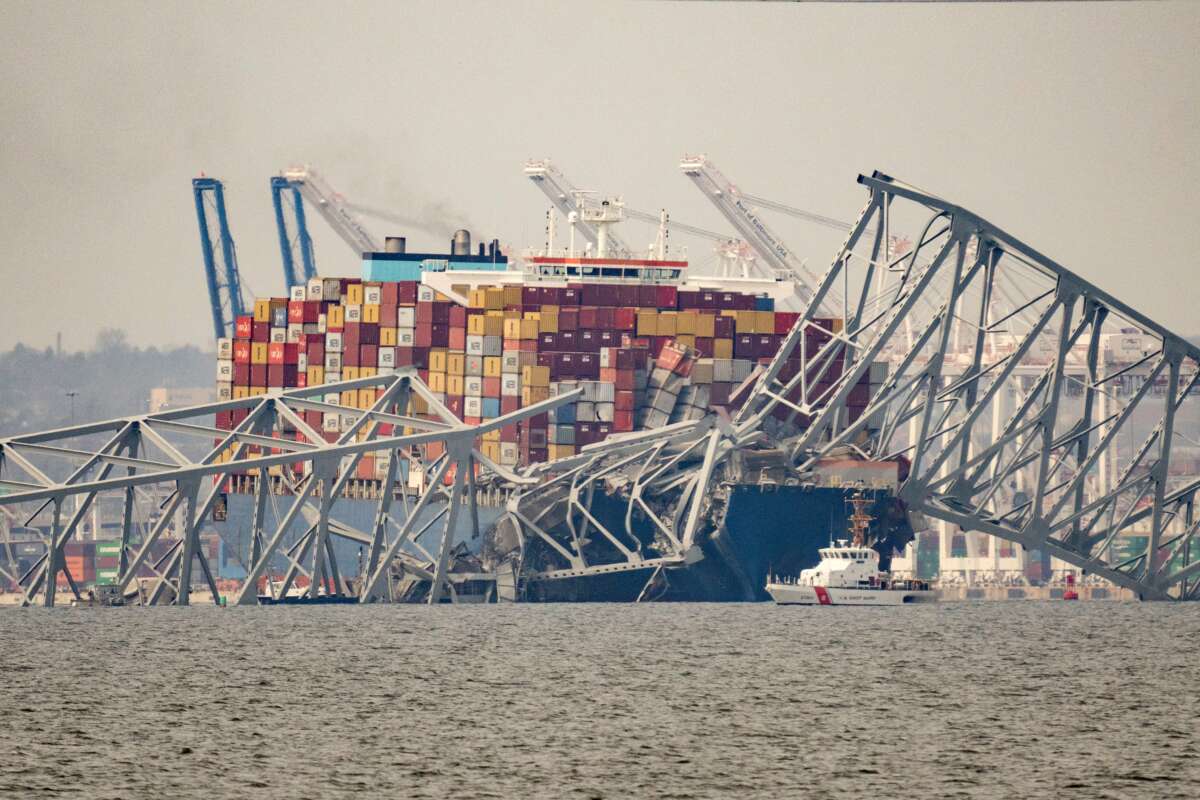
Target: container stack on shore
(644,355)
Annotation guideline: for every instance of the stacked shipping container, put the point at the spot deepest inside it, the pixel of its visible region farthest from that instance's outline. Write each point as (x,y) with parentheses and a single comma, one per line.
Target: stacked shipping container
(643,355)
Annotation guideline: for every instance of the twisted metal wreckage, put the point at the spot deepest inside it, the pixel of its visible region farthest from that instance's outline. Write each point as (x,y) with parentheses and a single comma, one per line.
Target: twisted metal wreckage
(964,317)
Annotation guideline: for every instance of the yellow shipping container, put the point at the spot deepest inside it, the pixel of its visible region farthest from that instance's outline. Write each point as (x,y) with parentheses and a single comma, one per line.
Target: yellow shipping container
(686,340)
(685,323)
(706,325)
(666,323)
(838,324)
(241,392)
(549,308)
(534,376)
(456,364)
(371,313)
(495,299)
(255,391)
(512,329)
(557,451)
(529,329)
(491,450)
(437,382)
(475,324)
(387,337)
(350,373)
(492,435)
(455,385)
(647,323)
(745,321)
(493,366)
(354,294)
(477,299)
(417,404)
(315,376)
(534,394)
(335,317)
(366,398)
(548,322)
(512,295)
(722,348)
(764,322)
(262,310)
(368,372)
(437,360)
(258,352)
(350,398)
(493,323)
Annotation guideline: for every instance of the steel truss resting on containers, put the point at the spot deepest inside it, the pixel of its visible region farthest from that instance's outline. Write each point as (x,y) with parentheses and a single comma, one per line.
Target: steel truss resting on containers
(998,402)
(147,450)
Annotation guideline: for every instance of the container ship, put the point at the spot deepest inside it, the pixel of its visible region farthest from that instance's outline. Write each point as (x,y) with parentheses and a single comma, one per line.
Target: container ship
(647,344)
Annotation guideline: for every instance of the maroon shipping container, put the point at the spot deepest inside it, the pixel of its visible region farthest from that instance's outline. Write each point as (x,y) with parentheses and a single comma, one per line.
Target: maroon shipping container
(627,295)
(457,316)
(351,335)
(258,374)
(225,420)
(315,348)
(388,315)
(241,374)
(408,293)
(275,375)
(404,356)
(745,345)
(368,355)
(350,356)
(723,327)
(423,335)
(568,340)
(587,366)
(625,319)
(424,312)
(588,341)
(261,332)
(587,317)
(530,296)
(389,295)
(548,342)
(568,320)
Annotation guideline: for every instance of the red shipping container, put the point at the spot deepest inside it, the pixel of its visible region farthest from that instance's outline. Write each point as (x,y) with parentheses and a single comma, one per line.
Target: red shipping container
(408,292)
(275,375)
(491,387)
(704,346)
(587,317)
(404,356)
(295,312)
(457,316)
(785,321)
(350,356)
(388,315)
(315,349)
(243,327)
(368,355)
(241,374)
(509,404)
(625,319)
(261,332)
(455,404)
(389,293)
(351,335)
(666,296)
(625,400)
(568,319)
(550,295)
(225,420)
(622,421)
(424,312)
(239,415)
(241,352)
(275,353)
(509,433)
(423,335)
(457,339)
(313,419)
(291,353)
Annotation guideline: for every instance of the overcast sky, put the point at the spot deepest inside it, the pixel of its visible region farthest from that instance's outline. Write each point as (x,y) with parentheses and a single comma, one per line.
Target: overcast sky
(1072,126)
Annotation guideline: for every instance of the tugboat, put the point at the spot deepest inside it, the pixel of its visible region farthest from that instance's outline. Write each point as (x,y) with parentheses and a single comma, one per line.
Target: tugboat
(849,575)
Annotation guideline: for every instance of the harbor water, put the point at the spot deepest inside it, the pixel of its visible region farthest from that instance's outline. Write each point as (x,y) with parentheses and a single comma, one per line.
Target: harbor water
(993,700)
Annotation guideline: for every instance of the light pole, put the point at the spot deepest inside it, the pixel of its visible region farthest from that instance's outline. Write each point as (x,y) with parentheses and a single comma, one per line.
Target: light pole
(71,396)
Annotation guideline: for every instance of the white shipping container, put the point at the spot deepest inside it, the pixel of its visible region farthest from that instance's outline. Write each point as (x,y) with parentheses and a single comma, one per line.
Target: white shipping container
(604,412)
(406,317)
(510,385)
(333,342)
(298,294)
(722,370)
(302,362)
(474,344)
(224,391)
(425,294)
(278,335)
(331,289)
(224,371)
(607,358)
(295,332)
(315,289)
(473,387)
(585,411)
(741,369)
(509,453)
(333,363)
(473,406)
(372,295)
(321,323)
(353,313)
(333,398)
(404,337)
(510,361)
(225,348)
(387,356)
(386,371)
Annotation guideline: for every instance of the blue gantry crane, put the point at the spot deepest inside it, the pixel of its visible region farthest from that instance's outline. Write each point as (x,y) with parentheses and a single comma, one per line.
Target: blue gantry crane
(286,195)
(224,282)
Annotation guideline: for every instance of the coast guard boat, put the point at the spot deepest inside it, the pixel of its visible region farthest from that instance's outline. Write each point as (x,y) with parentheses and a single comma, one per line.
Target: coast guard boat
(849,575)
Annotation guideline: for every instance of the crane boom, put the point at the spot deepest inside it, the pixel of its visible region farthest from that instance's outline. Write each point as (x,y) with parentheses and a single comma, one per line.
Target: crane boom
(333,207)
(730,202)
(567,199)
(220,265)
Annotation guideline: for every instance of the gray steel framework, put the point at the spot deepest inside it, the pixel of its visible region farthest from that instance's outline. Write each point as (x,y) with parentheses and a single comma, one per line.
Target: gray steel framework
(51,479)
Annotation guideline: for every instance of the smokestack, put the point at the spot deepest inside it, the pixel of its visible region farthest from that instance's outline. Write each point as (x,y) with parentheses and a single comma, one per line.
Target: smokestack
(394,244)
(460,245)
(481,246)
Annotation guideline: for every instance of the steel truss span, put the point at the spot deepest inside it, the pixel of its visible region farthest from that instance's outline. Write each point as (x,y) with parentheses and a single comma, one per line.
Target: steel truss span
(996,388)
(52,480)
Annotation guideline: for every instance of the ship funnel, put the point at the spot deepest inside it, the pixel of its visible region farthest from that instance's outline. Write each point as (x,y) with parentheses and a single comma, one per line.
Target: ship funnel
(394,244)
(460,245)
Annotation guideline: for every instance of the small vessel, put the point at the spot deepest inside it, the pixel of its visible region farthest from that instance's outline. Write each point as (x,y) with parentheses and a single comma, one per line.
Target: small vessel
(849,575)
(1070,593)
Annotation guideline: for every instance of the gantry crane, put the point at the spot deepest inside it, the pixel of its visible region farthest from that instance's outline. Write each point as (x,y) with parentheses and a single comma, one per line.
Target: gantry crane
(285,194)
(224,282)
(571,203)
(333,207)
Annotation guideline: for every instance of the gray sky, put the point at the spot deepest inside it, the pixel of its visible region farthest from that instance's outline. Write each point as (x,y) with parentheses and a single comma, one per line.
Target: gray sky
(1073,126)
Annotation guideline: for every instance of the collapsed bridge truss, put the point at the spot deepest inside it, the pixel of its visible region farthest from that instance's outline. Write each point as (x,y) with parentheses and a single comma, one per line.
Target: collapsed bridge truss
(1001,399)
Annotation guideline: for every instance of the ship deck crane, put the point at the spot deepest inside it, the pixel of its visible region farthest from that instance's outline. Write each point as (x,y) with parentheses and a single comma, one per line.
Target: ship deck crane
(220,264)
